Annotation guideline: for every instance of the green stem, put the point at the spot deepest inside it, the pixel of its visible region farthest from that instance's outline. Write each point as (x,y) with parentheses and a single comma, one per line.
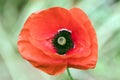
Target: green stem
(68,71)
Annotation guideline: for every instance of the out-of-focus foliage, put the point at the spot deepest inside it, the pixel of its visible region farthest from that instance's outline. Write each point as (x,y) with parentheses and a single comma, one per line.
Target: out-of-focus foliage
(105,16)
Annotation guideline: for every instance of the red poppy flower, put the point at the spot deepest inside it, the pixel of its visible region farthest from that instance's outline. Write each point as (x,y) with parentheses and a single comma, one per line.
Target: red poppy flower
(55,39)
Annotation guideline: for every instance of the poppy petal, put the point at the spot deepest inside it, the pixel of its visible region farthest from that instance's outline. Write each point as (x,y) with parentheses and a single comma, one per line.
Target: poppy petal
(90,60)
(45,24)
(37,58)
(81,39)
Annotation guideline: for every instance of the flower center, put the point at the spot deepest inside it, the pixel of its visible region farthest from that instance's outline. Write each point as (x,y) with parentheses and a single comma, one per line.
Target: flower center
(62,42)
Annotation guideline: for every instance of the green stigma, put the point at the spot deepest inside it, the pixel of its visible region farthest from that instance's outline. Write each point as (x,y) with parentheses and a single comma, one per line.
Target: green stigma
(61,40)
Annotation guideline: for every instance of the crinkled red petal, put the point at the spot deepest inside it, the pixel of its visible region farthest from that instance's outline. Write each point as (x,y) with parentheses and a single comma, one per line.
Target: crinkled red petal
(89,61)
(37,57)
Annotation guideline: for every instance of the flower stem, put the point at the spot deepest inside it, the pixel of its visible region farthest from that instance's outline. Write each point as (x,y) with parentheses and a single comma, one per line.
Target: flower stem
(68,71)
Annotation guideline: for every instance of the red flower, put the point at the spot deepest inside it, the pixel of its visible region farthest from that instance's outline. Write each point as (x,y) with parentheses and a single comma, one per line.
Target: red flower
(55,39)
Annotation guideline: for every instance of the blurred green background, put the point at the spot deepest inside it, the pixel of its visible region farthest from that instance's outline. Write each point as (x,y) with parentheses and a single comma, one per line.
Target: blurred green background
(105,16)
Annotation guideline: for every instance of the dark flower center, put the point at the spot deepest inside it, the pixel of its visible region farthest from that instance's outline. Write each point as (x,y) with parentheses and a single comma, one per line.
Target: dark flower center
(62,42)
